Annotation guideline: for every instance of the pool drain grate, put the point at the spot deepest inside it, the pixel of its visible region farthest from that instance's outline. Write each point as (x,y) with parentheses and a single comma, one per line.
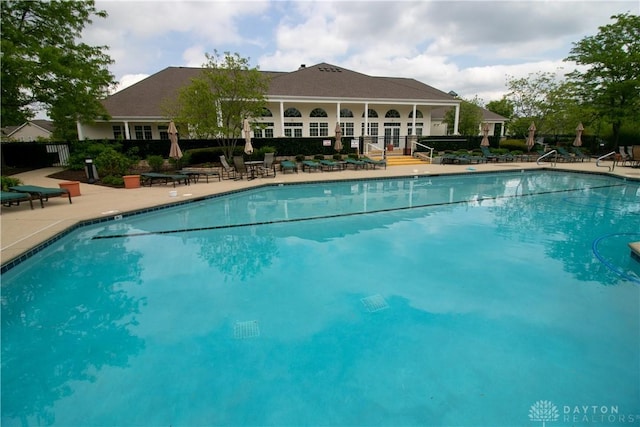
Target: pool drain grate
(374,303)
(244,330)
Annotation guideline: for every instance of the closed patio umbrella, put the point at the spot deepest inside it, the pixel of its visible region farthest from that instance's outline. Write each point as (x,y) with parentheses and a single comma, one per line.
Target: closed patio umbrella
(530,139)
(485,135)
(338,146)
(578,141)
(174,152)
(246,128)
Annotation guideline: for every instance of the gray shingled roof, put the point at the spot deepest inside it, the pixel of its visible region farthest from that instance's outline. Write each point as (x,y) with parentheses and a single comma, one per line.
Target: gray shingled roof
(145,98)
(329,81)
(438,114)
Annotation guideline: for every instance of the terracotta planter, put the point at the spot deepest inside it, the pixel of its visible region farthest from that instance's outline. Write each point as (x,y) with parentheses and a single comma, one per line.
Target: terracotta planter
(72,186)
(131,181)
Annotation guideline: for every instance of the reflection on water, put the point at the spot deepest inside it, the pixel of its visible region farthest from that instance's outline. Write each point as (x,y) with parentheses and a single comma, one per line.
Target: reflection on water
(62,322)
(148,303)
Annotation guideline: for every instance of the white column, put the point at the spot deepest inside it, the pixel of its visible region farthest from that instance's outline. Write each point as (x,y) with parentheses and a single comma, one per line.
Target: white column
(337,114)
(281,118)
(413,124)
(366,119)
(79,128)
(456,120)
(127,133)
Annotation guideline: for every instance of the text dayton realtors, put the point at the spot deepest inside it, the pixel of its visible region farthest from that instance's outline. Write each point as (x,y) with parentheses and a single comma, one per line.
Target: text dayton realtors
(596,414)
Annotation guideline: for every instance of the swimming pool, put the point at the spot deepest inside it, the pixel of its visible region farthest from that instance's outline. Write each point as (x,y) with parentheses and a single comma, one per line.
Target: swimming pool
(450,300)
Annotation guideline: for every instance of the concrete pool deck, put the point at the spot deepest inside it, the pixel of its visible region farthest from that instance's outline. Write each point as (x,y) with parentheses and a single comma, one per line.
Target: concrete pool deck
(23,229)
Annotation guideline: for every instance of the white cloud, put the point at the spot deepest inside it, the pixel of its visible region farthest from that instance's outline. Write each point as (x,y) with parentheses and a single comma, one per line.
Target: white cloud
(194,56)
(129,80)
(466,46)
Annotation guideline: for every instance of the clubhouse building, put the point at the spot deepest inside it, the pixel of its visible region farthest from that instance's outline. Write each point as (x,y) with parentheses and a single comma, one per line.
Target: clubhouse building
(307,102)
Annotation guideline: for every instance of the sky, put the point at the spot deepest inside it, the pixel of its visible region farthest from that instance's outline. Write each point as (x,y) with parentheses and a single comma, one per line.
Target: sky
(469,47)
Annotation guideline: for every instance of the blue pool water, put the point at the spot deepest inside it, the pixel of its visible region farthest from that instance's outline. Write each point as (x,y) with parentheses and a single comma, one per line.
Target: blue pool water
(453,300)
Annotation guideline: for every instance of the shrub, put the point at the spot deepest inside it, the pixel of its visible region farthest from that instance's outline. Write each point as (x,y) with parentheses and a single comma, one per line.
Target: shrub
(156,163)
(513,144)
(82,151)
(110,162)
(185,160)
(300,157)
(8,181)
(210,154)
(113,180)
(337,157)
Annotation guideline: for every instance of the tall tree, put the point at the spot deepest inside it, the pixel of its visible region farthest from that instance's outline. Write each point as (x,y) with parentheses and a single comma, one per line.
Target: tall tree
(470,117)
(45,67)
(504,107)
(611,81)
(529,97)
(216,104)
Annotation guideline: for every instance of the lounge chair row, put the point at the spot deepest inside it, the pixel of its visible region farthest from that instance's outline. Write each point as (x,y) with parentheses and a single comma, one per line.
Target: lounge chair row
(29,193)
(332,165)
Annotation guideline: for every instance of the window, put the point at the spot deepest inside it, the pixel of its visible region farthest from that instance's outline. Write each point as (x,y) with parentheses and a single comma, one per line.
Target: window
(418,128)
(164,132)
(265,130)
(143,132)
(392,114)
(293,130)
(292,112)
(373,129)
(318,112)
(347,129)
(118,132)
(266,112)
(345,112)
(418,114)
(319,129)
(371,114)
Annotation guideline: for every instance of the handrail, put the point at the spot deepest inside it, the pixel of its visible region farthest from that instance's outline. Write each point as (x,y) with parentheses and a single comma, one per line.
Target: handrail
(366,147)
(555,160)
(413,148)
(611,168)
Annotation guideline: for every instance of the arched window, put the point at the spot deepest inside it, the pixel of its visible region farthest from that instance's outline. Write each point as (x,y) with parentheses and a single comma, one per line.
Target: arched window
(345,112)
(266,113)
(372,113)
(318,112)
(318,128)
(418,114)
(292,112)
(392,114)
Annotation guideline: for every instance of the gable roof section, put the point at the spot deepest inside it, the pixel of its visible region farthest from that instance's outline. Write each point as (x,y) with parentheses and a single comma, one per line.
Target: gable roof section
(44,125)
(145,98)
(329,81)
